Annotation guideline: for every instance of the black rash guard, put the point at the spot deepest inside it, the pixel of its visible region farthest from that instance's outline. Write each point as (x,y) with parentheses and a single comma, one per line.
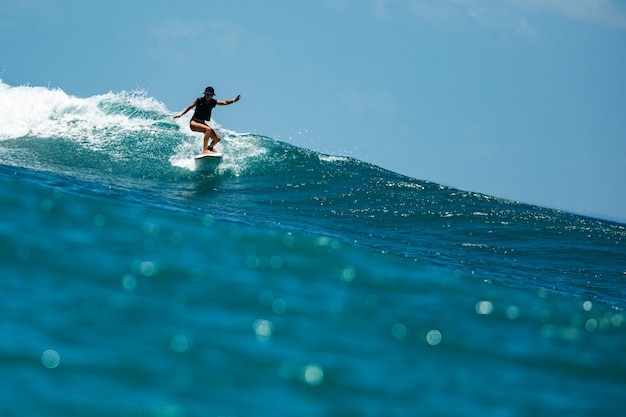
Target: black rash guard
(203,109)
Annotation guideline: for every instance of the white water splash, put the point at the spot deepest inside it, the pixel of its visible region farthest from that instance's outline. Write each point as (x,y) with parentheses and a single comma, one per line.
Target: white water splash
(44,113)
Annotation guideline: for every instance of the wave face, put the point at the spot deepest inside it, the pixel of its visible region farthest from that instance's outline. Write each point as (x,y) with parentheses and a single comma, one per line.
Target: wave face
(286,282)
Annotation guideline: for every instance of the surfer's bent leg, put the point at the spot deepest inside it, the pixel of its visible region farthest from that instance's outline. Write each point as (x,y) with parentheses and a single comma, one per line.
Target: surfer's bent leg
(208,134)
(216,138)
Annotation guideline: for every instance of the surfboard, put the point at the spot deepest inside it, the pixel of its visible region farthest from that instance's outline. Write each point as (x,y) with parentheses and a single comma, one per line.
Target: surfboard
(208,162)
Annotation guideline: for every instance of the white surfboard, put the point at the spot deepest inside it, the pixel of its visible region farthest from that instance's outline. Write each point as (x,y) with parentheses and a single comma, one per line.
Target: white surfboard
(208,161)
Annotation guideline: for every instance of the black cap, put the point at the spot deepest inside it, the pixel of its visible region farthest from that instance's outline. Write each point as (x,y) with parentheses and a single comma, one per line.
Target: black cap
(209,90)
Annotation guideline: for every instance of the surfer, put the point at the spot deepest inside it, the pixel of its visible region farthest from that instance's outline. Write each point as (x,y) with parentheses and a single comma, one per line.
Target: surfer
(202,114)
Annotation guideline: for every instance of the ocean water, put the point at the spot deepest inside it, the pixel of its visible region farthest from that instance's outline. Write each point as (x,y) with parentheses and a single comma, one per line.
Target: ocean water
(285,283)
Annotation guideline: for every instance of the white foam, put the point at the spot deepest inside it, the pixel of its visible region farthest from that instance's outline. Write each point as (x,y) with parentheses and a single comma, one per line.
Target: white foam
(238,149)
(107,121)
(45,113)
(332,158)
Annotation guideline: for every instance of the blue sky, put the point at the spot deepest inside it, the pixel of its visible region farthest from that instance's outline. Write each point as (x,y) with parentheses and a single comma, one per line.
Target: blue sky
(521,99)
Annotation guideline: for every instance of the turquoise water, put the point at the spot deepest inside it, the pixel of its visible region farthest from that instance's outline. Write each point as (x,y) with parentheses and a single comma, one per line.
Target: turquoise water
(285,283)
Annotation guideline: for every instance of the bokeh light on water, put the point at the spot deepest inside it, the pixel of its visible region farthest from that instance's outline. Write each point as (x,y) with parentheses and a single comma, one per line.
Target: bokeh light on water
(50,359)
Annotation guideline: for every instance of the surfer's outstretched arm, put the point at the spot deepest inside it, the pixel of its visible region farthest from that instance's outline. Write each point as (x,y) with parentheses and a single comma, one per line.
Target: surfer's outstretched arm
(189,107)
(227,102)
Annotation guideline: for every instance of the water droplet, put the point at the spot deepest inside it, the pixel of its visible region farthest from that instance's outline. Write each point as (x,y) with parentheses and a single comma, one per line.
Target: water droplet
(433,337)
(313,374)
(253,262)
(148,269)
(348,274)
(279,306)
(399,331)
(591,325)
(129,282)
(484,307)
(263,329)
(276,262)
(50,359)
(513,312)
(179,343)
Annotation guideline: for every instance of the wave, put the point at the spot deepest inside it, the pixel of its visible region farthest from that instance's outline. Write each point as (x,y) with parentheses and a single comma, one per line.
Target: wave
(114,133)
(129,145)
